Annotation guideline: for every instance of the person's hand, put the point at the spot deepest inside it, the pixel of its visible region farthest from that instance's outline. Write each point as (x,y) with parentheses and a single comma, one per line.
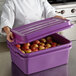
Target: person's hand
(10,37)
(60,17)
(9,34)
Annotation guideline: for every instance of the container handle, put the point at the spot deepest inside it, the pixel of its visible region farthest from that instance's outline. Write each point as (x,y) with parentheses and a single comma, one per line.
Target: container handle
(15,49)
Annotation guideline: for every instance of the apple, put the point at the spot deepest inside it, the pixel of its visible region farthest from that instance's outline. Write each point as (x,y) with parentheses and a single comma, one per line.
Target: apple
(49,38)
(28,51)
(48,45)
(34,49)
(36,42)
(43,40)
(25,47)
(26,44)
(35,45)
(18,45)
(49,41)
(42,44)
(41,47)
(21,50)
(54,44)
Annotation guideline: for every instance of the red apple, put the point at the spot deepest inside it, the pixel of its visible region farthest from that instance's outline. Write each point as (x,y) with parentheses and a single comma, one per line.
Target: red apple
(34,49)
(54,44)
(26,44)
(48,45)
(31,46)
(36,42)
(43,40)
(18,46)
(25,47)
(42,44)
(49,41)
(41,47)
(28,51)
(35,45)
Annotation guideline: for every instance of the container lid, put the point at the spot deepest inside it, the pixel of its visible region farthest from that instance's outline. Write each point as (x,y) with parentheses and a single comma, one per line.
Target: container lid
(39,29)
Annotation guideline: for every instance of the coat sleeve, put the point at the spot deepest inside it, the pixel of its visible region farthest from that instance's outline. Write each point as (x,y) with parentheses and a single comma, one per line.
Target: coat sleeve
(7,16)
(49,11)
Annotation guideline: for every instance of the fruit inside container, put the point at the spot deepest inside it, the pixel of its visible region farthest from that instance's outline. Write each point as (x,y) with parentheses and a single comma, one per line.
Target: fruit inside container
(38,45)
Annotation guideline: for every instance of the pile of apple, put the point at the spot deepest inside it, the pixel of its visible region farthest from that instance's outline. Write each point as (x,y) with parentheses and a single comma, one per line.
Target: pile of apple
(37,45)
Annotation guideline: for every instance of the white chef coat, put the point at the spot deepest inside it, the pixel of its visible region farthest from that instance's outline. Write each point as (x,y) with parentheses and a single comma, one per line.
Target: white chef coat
(20,12)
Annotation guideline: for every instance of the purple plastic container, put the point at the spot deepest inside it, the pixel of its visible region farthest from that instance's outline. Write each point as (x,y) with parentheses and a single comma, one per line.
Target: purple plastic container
(44,59)
(39,29)
(58,71)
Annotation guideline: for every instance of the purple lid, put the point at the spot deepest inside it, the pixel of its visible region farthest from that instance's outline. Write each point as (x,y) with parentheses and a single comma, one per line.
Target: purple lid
(39,29)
